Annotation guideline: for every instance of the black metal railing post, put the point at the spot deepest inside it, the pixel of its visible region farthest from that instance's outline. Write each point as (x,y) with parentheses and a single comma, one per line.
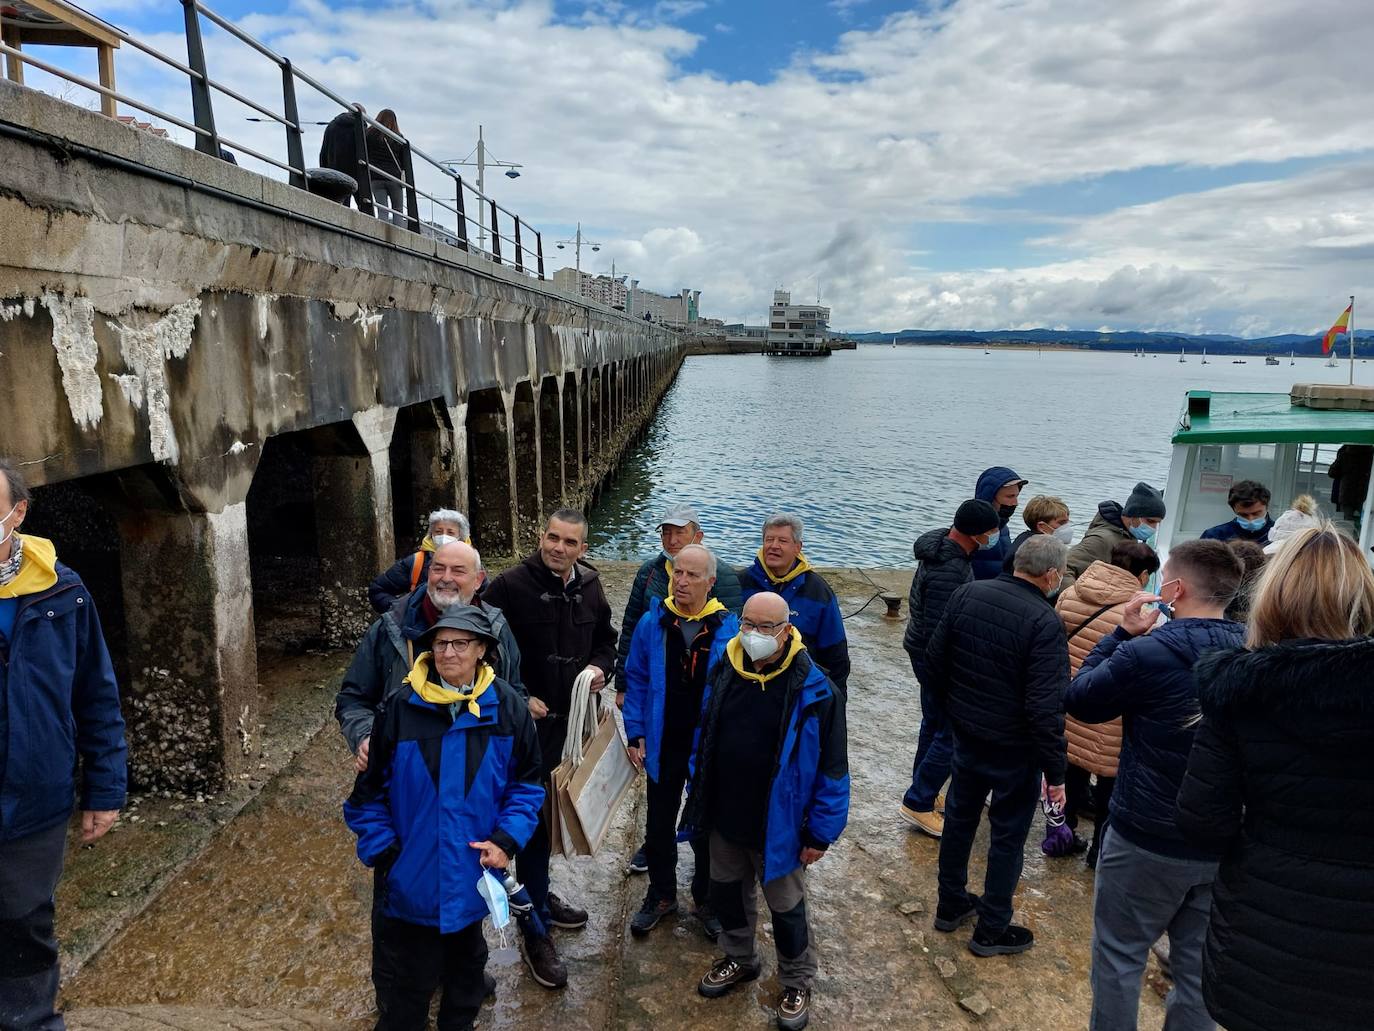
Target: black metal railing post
(539,250)
(519,257)
(363,174)
(462,214)
(412,201)
(495,235)
(295,136)
(207,140)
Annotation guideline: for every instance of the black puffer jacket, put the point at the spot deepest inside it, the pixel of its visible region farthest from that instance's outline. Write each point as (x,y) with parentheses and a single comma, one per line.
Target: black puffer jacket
(1148,681)
(1281,777)
(1000,660)
(943,568)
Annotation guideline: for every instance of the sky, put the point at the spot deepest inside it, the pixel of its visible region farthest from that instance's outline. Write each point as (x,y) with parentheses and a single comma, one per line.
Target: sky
(1199,166)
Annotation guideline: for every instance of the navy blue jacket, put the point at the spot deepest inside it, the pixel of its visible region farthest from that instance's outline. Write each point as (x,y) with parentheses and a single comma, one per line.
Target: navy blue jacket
(395,582)
(434,783)
(815,613)
(987,562)
(646,674)
(1148,682)
(808,799)
(388,650)
(943,568)
(59,704)
(652,582)
(1232,531)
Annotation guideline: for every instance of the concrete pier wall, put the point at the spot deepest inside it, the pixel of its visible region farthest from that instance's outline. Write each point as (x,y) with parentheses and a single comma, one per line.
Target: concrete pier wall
(238,401)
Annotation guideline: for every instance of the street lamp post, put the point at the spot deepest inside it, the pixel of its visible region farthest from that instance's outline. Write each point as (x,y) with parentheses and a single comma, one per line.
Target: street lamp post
(481,163)
(576,243)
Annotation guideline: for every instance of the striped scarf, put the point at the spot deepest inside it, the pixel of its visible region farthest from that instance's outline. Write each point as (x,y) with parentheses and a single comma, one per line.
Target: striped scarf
(9,569)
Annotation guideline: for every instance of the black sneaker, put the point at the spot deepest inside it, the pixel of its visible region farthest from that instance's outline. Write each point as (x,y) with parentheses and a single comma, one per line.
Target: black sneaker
(570,918)
(639,862)
(949,918)
(545,966)
(794,1008)
(1011,941)
(710,923)
(725,975)
(653,910)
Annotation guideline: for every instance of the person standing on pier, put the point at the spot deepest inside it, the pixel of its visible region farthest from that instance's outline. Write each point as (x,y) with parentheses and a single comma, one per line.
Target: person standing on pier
(1137,520)
(401,579)
(558,611)
(59,712)
(944,564)
(771,789)
(781,568)
(1000,487)
(676,646)
(387,651)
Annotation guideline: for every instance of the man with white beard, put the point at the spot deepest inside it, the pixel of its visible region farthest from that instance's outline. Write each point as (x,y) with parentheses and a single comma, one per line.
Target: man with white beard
(387,651)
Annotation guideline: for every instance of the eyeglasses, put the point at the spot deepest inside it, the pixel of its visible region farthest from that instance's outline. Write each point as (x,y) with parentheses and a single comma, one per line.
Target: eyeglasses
(764,628)
(458,644)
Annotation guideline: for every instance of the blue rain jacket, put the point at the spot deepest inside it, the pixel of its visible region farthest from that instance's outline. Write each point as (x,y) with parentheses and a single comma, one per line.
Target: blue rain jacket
(815,613)
(987,562)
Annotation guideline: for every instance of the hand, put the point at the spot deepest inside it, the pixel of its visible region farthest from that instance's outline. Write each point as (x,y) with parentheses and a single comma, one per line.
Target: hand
(636,755)
(492,856)
(1135,621)
(810,855)
(538,709)
(620,700)
(95,822)
(360,760)
(1056,793)
(598,678)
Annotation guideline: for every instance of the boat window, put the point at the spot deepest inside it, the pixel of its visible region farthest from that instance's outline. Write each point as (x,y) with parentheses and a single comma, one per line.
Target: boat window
(1215,468)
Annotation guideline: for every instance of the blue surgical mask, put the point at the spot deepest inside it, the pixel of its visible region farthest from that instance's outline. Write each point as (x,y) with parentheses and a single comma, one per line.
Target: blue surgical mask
(1251,524)
(1144,532)
(991,542)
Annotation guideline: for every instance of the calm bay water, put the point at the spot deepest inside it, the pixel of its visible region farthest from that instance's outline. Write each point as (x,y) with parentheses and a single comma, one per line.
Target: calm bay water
(874,446)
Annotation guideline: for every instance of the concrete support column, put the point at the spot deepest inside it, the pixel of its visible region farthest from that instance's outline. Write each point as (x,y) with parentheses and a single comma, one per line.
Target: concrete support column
(458,423)
(527,462)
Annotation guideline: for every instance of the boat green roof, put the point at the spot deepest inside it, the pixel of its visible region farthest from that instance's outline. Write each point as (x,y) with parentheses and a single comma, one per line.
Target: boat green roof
(1238,418)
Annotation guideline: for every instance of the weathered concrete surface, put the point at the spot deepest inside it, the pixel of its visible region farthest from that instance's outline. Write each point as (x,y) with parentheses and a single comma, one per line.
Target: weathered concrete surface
(191,1018)
(274,914)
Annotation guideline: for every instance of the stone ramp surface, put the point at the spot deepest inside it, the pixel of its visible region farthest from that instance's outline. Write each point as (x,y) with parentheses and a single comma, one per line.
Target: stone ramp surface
(192,1018)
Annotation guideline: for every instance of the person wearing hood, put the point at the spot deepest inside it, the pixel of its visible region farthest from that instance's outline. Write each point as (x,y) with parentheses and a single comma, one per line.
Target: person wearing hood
(943,565)
(1138,520)
(1043,514)
(1249,500)
(59,717)
(557,609)
(780,567)
(676,646)
(770,788)
(453,788)
(387,651)
(1000,487)
(1280,784)
(1151,880)
(1302,515)
(406,574)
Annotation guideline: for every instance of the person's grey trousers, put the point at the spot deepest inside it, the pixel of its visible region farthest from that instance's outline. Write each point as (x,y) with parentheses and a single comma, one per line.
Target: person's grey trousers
(29,871)
(734,872)
(1139,896)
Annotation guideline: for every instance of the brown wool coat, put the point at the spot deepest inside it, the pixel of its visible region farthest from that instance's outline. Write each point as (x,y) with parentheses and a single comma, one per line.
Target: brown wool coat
(1094,747)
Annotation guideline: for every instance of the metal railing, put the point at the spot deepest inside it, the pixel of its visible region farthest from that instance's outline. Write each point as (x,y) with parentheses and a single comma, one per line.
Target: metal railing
(510,247)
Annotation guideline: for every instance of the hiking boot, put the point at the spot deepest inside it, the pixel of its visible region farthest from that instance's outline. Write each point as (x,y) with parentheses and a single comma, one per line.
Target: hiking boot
(545,966)
(928,822)
(794,1008)
(1011,941)
(725,975)
(710,923)
(570,918)
(940,803)
(639,862)
(653,910)
(950,918)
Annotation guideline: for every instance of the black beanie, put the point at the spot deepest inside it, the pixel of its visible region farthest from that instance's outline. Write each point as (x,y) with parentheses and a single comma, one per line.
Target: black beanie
(1144,502)
(975,517)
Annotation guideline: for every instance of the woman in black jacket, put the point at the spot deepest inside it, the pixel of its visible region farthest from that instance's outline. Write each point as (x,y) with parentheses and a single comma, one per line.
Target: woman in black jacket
(1281,778)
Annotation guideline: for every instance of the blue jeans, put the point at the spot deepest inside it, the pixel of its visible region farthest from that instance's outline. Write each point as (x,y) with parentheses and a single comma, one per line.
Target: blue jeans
(934,750)
(1140,895)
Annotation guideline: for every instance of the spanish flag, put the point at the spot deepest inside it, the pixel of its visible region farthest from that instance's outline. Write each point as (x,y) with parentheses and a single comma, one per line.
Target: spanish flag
(1342,325)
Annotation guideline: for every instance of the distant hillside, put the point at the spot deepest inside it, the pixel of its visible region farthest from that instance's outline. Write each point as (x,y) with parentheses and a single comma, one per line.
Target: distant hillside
(1161,342)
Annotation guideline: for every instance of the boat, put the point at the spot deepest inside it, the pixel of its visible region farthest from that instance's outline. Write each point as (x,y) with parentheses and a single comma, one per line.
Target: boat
(1269,359)
(894,341)
(1204,356)
(1237,361)
(1298,433)
(1290,359)
(1332,361)
(1180,355)
(987,352)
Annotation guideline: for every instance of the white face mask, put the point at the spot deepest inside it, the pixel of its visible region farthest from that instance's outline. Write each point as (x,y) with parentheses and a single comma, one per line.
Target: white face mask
(10,532)
(1063,533)
(758,645)
(443,538)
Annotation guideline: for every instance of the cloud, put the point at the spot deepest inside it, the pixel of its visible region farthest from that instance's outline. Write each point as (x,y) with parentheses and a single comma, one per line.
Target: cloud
(831,167)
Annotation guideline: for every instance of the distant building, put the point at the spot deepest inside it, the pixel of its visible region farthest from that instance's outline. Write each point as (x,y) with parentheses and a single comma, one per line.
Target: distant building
(797,328)
(608,290)
(677,311)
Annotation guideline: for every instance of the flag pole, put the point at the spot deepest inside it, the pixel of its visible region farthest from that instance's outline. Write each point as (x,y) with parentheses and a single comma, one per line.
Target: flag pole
(1351,327)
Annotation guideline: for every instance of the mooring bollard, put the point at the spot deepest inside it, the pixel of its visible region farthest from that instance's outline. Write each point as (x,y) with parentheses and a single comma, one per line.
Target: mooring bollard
(894,605)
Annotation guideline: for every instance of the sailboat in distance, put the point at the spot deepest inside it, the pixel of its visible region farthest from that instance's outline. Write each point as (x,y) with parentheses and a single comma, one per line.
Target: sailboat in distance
(1181,352)
(1204,356)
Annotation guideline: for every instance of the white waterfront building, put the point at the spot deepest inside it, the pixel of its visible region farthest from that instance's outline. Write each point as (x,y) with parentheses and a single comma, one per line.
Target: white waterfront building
(797,328)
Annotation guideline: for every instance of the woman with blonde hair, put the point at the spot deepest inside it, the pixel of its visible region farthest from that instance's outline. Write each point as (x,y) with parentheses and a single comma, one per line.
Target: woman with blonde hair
(1281,779)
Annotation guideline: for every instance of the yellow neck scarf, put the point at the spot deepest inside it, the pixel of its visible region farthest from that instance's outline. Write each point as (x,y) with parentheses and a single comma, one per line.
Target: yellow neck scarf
(801,567)
(712,605)
(734,650)
(37,569)
(437,694)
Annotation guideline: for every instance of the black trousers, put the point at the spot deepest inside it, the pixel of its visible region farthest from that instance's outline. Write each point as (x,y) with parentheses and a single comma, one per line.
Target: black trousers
(410,961)
(29,869)
(532,864)
(1014,781)
(660,832)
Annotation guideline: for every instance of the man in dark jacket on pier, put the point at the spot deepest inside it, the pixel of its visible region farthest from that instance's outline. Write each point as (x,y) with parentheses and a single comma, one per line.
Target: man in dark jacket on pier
(1000,487)
(1137,520)
(943,566)
(1150,880)
(558,611)
(339,151)
(59,713)
(1000,661)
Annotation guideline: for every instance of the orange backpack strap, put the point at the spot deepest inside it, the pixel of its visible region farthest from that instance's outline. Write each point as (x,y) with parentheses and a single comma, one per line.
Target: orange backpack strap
(417,569)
